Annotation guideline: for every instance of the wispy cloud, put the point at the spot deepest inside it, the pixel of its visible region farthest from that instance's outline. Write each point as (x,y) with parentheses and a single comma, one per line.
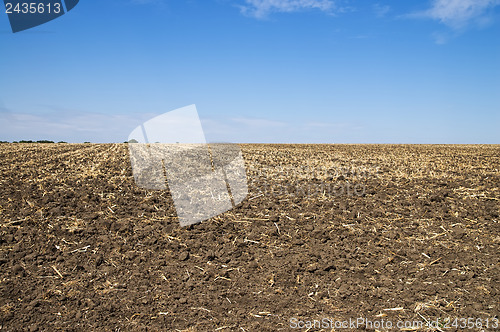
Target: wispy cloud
(441,37)
(255,122)
(381,10)
(146,2)
(68,125)
(262,8)
(161,4)
(458,14)
(261,130)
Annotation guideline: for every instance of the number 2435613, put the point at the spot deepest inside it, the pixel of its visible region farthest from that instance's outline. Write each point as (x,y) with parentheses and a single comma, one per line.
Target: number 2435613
(32,8)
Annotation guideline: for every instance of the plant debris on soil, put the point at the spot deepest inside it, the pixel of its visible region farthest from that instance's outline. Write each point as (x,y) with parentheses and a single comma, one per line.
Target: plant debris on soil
(393,232)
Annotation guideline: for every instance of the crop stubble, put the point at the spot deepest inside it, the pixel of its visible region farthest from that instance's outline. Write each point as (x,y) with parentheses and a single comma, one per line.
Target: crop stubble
(82,247)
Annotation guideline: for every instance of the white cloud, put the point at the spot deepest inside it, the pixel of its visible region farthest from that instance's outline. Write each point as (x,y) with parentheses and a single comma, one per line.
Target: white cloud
(158,4)
(255,122)
(68,125)
(441,38)
(458,13)
(262,8)
(146,2)
(381,10)
(261,130)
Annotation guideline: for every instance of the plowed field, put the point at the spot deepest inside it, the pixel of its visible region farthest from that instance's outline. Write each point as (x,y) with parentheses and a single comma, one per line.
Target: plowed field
(392,232)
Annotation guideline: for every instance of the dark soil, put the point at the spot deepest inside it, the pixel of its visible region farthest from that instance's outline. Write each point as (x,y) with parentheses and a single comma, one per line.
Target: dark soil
(83,248)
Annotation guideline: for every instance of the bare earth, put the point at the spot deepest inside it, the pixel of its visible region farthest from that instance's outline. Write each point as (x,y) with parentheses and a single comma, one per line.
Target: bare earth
(392,232)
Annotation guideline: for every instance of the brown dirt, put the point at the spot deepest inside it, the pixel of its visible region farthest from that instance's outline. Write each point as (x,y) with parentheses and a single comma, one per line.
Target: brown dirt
(82,248)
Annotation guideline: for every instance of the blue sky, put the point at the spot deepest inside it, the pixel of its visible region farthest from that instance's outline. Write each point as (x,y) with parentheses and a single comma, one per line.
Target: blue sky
(288,71)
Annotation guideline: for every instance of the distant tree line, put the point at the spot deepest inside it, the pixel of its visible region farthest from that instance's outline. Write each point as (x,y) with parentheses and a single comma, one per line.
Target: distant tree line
(30,141)
(47,141)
